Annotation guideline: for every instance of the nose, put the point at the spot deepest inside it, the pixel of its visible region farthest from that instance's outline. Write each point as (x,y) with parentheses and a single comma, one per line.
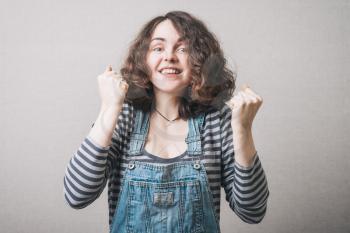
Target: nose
(170,56)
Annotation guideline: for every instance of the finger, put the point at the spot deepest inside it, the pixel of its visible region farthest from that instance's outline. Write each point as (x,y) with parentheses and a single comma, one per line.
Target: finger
(124,85)
(114,74)
(109,71)
(233,101)
(242,97)
(109,68)
(244,86)
(117,75)
(256,98)
(252,93)
(248,97)
(252,100)
(239,98)
(118,78)
(237,101)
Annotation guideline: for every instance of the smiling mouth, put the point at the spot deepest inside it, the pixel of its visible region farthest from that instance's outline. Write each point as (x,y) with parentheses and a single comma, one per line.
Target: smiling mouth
(170,75)
(170,71)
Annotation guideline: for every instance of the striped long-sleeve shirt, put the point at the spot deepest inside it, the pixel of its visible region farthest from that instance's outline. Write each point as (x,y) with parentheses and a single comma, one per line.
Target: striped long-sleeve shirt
(93,166)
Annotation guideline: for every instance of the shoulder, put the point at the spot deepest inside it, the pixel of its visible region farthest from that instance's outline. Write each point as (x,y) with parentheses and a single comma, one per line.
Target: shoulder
(127,108)
(125,117)
(225,111)
(218,114)
(216,120)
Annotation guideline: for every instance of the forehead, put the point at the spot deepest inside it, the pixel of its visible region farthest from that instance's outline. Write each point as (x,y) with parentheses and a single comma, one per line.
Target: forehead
(165,31)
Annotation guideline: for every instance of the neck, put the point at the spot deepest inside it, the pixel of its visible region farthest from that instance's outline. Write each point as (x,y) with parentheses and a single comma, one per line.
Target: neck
(167,105)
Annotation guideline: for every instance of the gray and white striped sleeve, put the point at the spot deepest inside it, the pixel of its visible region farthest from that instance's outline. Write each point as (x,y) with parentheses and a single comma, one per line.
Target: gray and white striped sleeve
(86,174)
(246,188)
(89,168)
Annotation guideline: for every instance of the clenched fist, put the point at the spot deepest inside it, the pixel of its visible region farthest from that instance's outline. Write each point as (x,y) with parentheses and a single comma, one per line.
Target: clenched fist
(244,105)
(112,88)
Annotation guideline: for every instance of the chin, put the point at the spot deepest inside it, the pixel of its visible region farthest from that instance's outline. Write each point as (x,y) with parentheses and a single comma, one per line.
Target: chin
(170,90)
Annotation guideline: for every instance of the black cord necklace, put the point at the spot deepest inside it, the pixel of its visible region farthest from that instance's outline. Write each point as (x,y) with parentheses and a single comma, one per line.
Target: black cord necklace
(169,121)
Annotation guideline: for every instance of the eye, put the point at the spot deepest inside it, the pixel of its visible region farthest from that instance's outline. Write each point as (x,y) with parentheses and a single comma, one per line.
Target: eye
(182,50)
(157,49)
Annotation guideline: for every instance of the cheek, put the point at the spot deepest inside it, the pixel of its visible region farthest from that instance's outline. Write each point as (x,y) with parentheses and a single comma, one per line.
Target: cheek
(153,61)
(185,62)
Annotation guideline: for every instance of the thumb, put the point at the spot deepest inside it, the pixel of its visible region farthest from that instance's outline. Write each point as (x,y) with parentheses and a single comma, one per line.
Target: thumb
(109,68)
(125,85)
(244,86)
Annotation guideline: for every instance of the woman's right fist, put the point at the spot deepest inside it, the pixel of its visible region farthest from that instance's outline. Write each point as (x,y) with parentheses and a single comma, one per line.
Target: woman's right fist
(112,88)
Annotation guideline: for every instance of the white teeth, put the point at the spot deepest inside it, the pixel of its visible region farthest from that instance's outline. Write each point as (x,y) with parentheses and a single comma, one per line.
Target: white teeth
(170,71)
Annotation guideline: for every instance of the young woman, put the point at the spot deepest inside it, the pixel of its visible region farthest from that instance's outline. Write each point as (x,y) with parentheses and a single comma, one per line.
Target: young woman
(169,135)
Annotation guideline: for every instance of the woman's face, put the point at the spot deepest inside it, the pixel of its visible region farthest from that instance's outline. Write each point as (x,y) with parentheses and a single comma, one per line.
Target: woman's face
(168,60)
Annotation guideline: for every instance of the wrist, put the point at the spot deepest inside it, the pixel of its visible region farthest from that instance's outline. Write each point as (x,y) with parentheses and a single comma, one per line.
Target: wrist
(239,129)
(111,107)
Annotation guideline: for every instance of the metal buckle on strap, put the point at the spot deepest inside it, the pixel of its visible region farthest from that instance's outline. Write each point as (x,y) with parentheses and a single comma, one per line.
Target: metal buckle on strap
(196,165)
(131,165)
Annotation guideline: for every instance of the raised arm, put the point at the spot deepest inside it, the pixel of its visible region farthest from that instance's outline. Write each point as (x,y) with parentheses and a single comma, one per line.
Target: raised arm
(88,170)
(244,182)
(86,174)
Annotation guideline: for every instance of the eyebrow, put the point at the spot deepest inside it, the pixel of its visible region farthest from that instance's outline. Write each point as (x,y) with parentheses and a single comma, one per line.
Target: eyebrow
(181,39)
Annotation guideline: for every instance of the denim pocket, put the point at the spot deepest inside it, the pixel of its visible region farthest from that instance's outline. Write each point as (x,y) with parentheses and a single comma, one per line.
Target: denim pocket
(176,206)
(209,206)
(138,216)
(192,210)
(121,207)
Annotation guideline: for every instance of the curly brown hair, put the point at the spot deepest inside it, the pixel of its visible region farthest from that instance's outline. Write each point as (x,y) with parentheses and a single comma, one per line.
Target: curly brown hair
(213,83)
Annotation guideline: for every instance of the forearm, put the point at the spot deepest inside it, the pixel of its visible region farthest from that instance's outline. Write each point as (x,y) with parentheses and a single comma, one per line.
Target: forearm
(85,174)
(87,171)
(244,147)
(244,179)
(102,131)
(246,188)
(250,192)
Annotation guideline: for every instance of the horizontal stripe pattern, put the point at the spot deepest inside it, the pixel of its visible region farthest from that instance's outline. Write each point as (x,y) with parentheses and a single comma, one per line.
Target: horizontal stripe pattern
(92,167)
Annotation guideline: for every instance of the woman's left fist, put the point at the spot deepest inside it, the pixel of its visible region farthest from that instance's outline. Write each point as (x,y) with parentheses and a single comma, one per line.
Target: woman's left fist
(244,105)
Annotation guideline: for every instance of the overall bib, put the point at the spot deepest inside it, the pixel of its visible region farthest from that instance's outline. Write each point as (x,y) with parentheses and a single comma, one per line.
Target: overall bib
(164,198)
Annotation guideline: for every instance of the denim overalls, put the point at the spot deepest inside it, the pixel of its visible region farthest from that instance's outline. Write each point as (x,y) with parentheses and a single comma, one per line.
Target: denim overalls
(163,198)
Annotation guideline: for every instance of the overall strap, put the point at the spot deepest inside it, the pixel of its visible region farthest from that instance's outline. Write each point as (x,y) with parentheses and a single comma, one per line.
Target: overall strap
(139,132)
(193,139)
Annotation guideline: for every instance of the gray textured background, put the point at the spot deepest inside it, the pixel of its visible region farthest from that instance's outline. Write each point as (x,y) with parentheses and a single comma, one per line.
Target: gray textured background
(295,54)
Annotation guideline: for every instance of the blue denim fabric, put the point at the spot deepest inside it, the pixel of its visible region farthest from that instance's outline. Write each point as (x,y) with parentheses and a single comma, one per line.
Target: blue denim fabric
(165,198)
